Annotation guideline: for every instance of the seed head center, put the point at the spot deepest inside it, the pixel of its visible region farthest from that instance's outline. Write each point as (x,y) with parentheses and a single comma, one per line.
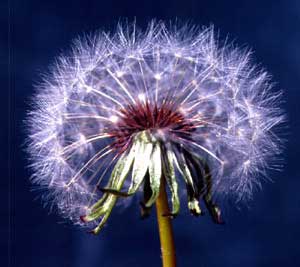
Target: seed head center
(164,121)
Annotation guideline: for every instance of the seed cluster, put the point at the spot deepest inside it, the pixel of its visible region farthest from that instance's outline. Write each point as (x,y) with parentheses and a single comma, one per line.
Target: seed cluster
(128,110)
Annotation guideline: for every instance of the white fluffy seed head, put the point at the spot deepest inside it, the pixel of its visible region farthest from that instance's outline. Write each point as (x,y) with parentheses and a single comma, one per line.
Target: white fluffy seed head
(214,86)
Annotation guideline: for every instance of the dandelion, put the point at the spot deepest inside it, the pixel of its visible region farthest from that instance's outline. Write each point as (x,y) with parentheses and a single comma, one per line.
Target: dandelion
(141,111)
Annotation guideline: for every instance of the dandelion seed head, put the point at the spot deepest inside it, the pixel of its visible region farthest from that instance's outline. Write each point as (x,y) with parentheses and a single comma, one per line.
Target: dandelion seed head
(182,86)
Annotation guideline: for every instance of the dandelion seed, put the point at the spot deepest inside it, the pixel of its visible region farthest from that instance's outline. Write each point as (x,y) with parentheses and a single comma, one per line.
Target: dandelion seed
(157,76)
(113,118)
(142,98)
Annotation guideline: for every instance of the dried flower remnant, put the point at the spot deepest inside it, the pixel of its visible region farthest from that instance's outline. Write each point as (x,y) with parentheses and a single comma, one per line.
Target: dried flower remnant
(151,107)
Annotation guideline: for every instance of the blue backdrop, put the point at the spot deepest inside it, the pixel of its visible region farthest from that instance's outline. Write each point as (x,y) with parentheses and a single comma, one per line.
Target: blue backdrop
(266,233)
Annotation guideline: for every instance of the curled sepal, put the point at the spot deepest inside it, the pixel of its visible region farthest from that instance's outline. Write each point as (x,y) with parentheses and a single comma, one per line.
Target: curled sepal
(141,161)
(194,207)
(169,174)
(183,168)
(203,181)
(97,229)
(145,211)
(106,203)
(118,176)
(214,211)
(114,192)
(155,172)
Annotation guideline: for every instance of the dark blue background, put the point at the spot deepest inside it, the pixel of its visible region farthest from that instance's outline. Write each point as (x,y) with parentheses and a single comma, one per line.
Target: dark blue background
(265,234)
